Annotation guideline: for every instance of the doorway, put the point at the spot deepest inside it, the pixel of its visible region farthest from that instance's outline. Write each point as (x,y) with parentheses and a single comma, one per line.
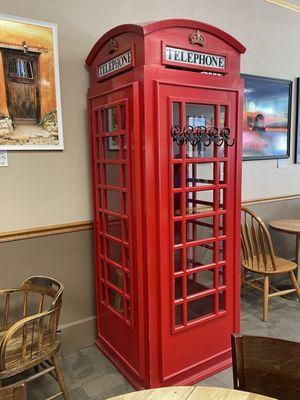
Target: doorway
(21,74)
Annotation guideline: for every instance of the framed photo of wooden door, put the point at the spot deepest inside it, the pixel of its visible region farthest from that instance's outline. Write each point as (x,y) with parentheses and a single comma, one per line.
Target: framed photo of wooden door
(30,106)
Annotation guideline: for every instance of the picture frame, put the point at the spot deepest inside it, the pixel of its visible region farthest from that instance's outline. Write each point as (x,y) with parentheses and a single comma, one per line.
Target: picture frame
(32,119)
(266,118)
(297,130)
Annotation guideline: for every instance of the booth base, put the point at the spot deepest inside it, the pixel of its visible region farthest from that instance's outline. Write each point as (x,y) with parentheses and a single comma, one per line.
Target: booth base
(188,378)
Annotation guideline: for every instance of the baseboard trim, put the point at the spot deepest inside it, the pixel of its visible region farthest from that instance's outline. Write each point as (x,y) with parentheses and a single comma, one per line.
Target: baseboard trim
(78,322)
(78,334)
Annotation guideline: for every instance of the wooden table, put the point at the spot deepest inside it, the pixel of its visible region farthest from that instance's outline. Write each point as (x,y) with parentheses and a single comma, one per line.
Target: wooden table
(191,393)
(291,226)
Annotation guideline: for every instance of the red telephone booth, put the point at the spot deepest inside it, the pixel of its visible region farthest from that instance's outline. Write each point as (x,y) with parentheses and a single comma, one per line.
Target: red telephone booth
(165,103)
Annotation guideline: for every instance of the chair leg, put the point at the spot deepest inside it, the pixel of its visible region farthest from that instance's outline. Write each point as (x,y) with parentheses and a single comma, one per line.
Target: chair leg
(243,276)
(60,377)
(295,284)
(266,297)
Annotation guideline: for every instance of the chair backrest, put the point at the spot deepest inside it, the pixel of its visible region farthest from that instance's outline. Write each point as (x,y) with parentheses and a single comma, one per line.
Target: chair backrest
(266,366)
(257,247)
(45,287)
(34,334)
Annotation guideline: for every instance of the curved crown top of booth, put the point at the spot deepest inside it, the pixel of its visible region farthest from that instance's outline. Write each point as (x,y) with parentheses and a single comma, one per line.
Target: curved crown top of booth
(148,28)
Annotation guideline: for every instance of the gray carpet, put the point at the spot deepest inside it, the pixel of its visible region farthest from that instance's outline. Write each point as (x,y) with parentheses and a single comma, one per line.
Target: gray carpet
(90,376)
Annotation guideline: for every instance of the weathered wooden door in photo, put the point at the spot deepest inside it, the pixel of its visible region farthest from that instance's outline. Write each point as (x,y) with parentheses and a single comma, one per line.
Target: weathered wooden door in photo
(21,82)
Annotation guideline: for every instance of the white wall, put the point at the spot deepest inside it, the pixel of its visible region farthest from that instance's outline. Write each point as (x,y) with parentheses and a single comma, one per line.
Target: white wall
(47,188)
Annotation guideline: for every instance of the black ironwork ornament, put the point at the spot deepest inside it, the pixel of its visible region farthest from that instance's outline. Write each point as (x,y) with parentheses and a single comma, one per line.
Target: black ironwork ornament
(201,134)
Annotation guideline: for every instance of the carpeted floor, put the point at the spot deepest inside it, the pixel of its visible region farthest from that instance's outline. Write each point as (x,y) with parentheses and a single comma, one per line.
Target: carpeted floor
(90,376)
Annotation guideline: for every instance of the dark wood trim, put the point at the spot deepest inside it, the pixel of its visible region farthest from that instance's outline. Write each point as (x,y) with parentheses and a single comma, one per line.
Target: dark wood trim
(270,199)
(45,231)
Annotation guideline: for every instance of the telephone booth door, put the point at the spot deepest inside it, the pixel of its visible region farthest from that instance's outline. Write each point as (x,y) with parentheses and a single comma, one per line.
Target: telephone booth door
(114,170)
(198,127)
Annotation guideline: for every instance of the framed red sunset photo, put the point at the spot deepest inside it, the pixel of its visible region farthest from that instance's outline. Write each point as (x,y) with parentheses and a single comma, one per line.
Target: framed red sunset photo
(266,118)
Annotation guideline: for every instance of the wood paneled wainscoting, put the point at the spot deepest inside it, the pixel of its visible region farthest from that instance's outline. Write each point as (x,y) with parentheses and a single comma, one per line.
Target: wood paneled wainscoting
(65,252)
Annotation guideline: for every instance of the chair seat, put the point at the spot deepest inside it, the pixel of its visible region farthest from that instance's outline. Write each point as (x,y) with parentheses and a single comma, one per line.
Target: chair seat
(14,362)
(258,266)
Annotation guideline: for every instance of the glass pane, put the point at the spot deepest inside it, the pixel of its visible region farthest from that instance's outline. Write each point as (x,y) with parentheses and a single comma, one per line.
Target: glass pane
(221,301)
(222,250)
(200,255)
(111,147)
(221,276)
(177,233)
(178,314)
(115,300)
(110,119)
(123,147)
(198,202)
(177,260)
(177,175)
(127,302)
(113,200)
(125,203)
(125,228)
(200,281)
(222,117)
(115,276)
(123,117)
(199,115)
(177,204)
(112,174)
(126,257)
(101,268)
(178,288)
(127,283)
(98,148)
(200,228)
(176,121)
(124,171)
(222,199)
(113,227)
(114,251)
(99,169)
(200,307)
(222,124)
(99,198)
(103,296)
(199,174)
(222,221)
(222,172)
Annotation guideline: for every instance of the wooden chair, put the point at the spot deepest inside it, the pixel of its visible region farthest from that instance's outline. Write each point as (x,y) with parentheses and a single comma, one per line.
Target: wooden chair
(17,391)
(259,258)
(266,366)
(31,341)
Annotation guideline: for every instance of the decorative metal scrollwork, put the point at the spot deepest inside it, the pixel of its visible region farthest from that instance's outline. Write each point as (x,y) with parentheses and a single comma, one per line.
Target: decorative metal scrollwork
(201,134)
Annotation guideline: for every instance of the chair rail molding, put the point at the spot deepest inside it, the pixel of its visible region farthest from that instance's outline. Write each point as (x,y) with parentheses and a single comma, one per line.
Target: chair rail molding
(87,225)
